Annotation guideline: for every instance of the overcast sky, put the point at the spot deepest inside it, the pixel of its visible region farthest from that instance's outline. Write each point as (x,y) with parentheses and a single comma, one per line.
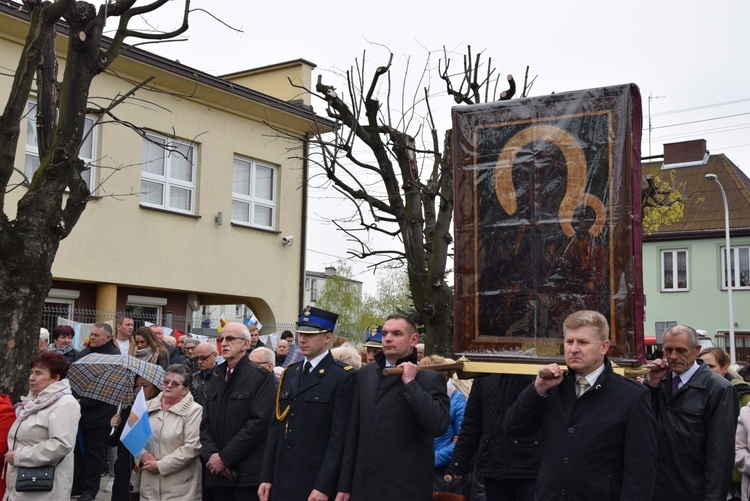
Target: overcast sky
(688,55)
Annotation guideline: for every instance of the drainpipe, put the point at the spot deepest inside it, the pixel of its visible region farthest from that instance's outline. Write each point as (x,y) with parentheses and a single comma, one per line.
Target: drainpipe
(303,240)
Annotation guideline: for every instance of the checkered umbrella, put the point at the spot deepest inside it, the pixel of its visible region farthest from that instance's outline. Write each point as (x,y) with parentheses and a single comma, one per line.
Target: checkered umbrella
(110,378)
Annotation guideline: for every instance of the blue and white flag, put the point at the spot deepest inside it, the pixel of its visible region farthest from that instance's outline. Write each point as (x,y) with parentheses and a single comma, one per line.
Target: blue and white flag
(137,430)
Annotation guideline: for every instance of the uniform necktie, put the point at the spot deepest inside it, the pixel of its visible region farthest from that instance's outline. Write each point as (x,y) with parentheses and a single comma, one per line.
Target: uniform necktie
(229,373)
(583,385)
(675,383)
(305,371)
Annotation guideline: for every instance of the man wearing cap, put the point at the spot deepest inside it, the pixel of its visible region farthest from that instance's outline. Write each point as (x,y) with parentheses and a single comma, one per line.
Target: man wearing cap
(313,405)
(374,345)
(390,448)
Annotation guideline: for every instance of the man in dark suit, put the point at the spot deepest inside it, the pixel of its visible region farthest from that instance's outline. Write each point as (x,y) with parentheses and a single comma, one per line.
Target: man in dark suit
(236,418)
(597,427)
(306,442)
(390,445)
(696,415)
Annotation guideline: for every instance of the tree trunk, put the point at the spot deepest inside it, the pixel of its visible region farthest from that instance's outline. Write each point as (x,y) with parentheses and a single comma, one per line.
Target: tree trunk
(29,243)
(25,280)
(437,315)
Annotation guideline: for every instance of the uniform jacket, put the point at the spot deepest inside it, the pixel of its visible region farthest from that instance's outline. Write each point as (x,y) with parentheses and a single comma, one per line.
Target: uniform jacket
(304,450)
(390,445)
(696,429)
(598,447)
(444,444)
(93,412)
(499,456)
(235,422)
(44,438)
(175,442)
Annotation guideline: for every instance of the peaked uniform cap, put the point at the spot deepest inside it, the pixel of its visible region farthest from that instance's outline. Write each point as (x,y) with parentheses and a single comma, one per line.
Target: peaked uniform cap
(314,320)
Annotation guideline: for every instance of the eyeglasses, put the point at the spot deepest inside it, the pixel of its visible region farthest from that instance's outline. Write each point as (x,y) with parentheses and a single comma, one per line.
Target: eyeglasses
(229,339)
(173,384)
(203,358)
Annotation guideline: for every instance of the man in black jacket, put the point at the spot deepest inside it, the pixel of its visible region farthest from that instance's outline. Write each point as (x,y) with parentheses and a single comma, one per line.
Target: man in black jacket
(390,450)
(94,426)
(236,417)
(313,405)
(507,464)
(696,415)
(205,356)
(597,427)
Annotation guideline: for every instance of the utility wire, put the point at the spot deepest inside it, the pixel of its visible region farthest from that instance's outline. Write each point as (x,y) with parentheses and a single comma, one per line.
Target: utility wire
(703,120)
(701,107)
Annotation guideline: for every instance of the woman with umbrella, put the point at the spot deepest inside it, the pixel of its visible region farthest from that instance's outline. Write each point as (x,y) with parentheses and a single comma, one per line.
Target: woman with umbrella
(45,429)
(124,462)
(170,463)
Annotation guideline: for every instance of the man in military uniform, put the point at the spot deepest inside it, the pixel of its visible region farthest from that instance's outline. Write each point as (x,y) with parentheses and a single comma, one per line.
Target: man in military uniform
(313,405)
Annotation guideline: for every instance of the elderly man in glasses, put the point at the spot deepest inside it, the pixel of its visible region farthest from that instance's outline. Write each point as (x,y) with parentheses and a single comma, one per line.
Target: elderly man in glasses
(205,356)
(236,415)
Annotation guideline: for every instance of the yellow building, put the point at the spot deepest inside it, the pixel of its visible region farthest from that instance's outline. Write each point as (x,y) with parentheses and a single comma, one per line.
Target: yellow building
(199,208)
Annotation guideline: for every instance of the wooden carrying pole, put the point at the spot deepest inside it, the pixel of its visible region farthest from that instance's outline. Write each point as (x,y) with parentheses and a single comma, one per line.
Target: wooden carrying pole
(468,369)
(397,371)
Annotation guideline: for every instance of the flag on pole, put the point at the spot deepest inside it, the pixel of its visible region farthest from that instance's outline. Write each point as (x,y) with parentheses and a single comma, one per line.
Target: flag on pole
(137,430)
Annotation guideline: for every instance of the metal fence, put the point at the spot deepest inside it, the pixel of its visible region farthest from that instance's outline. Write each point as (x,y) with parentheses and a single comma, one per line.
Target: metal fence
(53,312)
(741,344)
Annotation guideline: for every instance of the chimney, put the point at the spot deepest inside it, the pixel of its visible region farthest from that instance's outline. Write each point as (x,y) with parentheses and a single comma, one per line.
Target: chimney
(685,154)
(330,271)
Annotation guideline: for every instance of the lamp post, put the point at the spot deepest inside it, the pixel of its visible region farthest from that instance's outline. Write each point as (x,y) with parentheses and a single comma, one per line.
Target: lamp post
(728,268)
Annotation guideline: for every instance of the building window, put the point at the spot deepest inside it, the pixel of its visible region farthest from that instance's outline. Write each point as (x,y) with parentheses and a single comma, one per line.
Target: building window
(674,276)
(86,152)
(740,265)
(168,174)
(253,194)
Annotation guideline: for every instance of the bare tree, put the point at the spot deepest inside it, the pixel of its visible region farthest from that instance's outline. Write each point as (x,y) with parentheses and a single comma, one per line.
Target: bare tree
(402,186)
(57,194)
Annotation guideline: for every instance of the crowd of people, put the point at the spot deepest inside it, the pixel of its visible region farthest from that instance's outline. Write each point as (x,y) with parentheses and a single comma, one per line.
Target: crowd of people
(317,419)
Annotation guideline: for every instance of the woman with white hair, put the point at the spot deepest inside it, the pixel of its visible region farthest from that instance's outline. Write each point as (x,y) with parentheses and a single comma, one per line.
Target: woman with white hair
(348,354)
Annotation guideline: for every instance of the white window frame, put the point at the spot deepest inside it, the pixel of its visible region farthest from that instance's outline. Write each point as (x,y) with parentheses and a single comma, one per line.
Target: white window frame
(166,180)
(251,201)
(741,273)
(31,146)
(675,285)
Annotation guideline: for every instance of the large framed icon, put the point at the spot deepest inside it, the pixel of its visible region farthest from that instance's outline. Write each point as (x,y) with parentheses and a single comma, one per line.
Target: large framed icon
(547,221)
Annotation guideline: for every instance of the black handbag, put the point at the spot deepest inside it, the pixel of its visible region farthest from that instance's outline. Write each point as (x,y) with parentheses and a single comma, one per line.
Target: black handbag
(38,478)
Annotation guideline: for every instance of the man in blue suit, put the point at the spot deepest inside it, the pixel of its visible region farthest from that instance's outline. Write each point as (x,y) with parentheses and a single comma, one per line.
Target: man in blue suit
(313,404)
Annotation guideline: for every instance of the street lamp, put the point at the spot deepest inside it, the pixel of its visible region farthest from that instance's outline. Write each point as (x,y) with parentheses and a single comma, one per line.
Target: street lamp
(728,263)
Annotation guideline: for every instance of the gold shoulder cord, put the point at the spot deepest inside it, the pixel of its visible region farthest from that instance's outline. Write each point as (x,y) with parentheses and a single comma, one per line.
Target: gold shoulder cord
(280,416)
